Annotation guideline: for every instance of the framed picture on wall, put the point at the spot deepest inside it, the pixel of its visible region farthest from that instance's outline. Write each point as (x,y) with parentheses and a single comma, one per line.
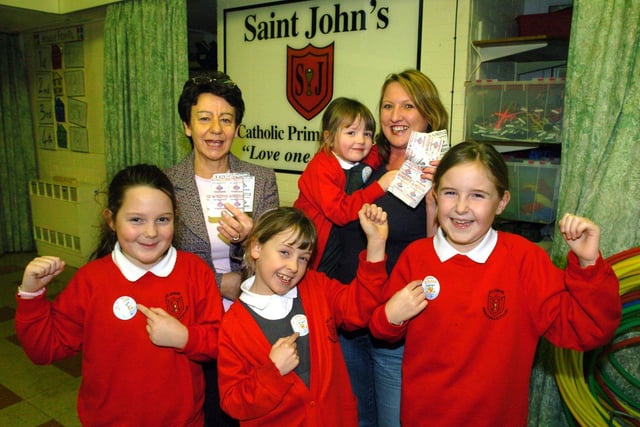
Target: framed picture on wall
(73,54)
(78,139)
(310,52)
(77,111)
(74,82)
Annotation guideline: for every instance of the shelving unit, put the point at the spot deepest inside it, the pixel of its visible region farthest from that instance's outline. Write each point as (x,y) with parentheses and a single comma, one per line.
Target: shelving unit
(534,183)
(521,49)
(528,54)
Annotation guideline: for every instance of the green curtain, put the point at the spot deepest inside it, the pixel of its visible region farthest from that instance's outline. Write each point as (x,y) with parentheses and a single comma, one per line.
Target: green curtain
(146,65)
(600,174)
(17,149)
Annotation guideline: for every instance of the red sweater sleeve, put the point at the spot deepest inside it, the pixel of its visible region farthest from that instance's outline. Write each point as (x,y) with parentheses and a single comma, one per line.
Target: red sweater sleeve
(322,185)
(353,305)
(47,335)
(379,324)
(250,384)
(587,314)
(202,345)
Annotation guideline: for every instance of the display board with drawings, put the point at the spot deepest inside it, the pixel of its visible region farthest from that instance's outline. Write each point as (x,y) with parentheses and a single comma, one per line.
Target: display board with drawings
(61,111)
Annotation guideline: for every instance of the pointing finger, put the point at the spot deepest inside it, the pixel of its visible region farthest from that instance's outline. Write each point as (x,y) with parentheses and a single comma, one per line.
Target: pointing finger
(292,338)
(145,310)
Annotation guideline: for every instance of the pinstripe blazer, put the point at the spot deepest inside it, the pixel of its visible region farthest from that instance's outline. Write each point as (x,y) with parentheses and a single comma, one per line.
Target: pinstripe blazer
(190,229)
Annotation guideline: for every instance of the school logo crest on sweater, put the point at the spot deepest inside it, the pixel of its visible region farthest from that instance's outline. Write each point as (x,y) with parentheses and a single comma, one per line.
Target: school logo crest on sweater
(175,304)
(496,304)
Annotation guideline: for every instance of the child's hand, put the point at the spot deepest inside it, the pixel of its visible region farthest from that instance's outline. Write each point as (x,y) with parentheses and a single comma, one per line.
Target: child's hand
(284,353)
(429,171)
(582,236)
(405,304)
(386,179)
(40,272)
(373,221)
(164,330)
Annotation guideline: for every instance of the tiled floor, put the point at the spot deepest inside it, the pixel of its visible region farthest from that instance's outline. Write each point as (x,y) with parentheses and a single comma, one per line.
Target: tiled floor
(32,395)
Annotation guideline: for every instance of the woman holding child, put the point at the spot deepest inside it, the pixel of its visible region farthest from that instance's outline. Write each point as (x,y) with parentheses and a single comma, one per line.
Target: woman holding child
(409,101)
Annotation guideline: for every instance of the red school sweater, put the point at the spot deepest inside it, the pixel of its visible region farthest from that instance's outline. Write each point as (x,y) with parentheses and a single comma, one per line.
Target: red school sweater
(126,379)
(252,388)
(324,200)
(468,355)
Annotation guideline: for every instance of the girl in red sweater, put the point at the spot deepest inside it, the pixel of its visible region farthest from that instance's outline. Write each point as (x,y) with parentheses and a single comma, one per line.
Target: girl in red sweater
(331,186)
(280,362)
(143,314)
(472,302)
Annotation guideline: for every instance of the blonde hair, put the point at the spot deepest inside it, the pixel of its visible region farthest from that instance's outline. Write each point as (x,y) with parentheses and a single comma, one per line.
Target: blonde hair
(424,94)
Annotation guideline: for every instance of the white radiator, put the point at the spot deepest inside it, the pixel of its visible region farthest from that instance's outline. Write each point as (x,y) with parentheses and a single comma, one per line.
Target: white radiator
(66,219)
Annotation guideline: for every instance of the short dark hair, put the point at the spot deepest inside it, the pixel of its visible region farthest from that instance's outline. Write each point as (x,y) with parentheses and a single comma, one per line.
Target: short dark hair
(216,83)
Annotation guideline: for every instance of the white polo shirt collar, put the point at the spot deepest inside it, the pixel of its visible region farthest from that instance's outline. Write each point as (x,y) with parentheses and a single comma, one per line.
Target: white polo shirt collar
(132,272)
(479,254)
(271,307)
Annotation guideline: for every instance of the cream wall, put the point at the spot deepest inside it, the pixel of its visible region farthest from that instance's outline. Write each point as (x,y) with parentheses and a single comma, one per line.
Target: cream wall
(56,6)
(444,56)
(85,168)
(444,59)
(67,220)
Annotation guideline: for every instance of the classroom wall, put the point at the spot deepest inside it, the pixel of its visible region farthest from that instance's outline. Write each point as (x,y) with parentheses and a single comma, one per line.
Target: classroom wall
(65,163)
(56,6)
(444,57)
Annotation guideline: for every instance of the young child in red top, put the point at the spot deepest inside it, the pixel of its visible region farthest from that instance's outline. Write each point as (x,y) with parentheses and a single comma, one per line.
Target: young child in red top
(142,314)
(472,302)
(280,363)
(331,186)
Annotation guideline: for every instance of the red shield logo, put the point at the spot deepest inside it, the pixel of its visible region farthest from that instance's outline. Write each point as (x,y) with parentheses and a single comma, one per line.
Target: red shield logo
(496,305)
(175,304)
(309,79)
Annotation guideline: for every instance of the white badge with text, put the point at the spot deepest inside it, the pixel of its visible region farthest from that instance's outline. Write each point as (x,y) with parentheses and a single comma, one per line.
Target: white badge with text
(431,287)
(125,308)
(300,325)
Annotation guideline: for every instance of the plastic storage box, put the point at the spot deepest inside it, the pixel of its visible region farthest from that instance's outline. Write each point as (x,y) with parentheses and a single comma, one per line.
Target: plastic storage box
(534,190)
(528,111)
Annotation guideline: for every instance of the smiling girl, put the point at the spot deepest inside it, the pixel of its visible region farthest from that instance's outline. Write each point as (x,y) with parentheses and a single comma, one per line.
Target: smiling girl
(331,190)
(143,315)
(473,302)
(280,362)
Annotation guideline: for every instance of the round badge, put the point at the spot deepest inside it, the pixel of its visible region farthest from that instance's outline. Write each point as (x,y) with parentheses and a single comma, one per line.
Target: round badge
(366,173)
(125,308)
(299,324)
(431,287)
